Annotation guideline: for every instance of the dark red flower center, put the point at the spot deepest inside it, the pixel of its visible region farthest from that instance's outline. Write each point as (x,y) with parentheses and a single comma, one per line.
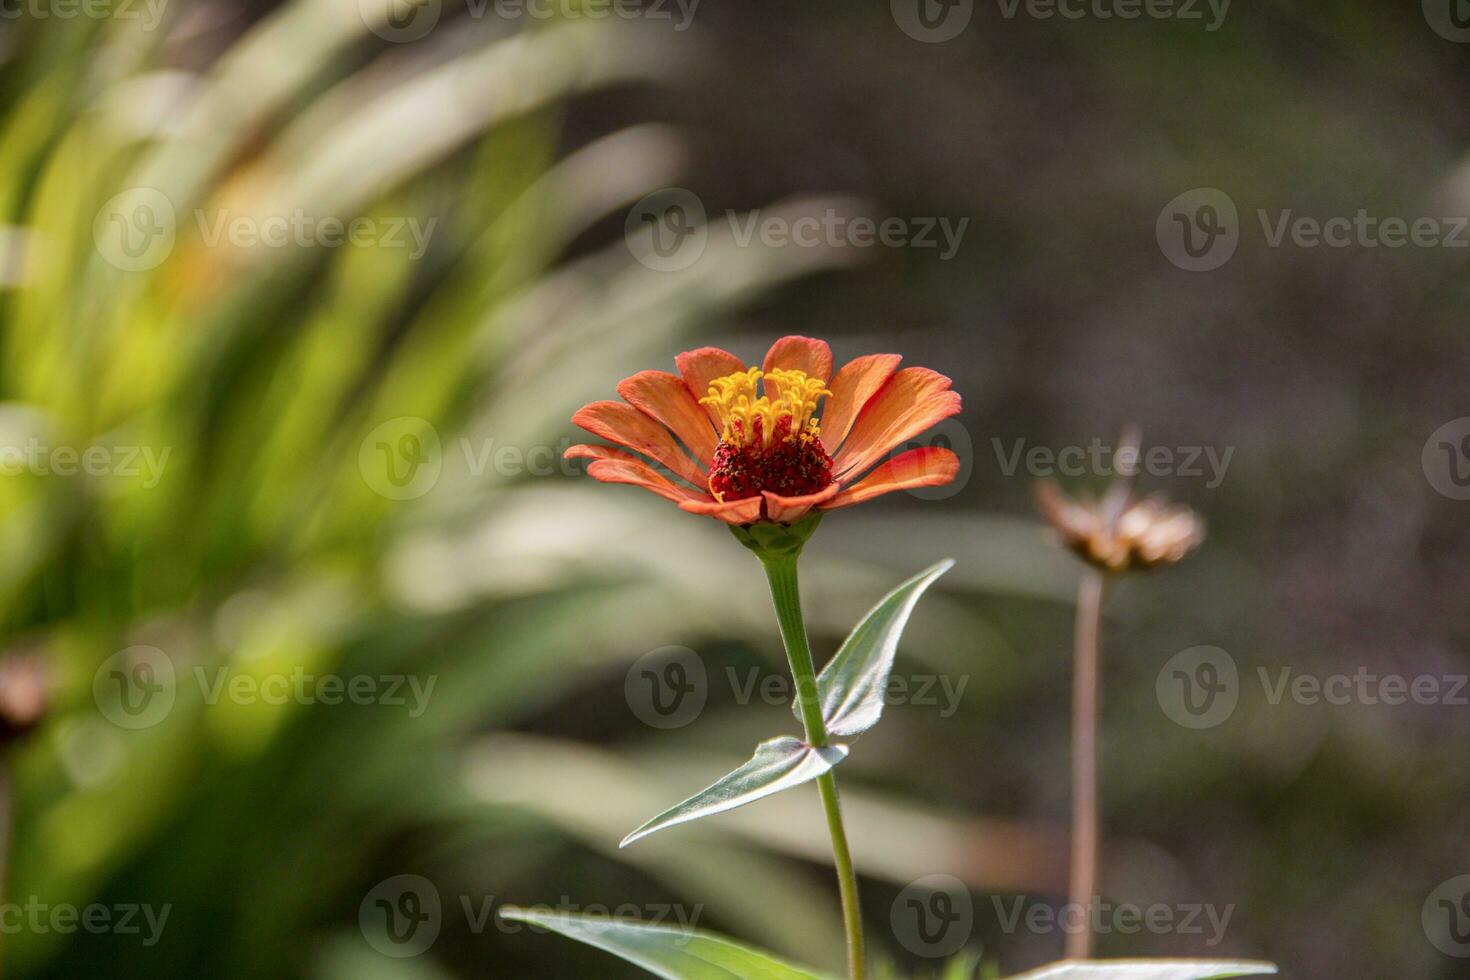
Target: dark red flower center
(791,464)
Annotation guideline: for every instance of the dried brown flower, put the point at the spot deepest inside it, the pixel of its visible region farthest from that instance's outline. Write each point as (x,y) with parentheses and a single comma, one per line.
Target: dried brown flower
(1121,531)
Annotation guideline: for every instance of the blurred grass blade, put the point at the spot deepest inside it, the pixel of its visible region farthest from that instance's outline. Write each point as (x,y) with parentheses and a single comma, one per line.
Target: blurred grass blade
(675,954)
(1149,970)
(965,966)
(852,685)
(423,119)
(778,764)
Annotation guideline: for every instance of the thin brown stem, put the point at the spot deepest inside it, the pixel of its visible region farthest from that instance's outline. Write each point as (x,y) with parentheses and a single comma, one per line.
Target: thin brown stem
(1085,711)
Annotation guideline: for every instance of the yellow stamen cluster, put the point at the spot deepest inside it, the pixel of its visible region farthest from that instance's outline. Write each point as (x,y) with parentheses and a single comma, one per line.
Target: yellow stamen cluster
(786,394)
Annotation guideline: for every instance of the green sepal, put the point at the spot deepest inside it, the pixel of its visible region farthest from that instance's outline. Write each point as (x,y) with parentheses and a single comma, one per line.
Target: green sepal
(770,540)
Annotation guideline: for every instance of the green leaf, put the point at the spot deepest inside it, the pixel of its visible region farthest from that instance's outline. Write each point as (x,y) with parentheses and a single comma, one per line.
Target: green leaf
(1149,970)
(778,764)
(853,683)
(965,966)
(675,954)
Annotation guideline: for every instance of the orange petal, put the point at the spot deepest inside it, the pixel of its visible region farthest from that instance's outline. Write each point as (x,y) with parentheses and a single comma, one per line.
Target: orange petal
(663,396)
(854,385)
(641,475)
(927,466)
(699,367)
(588,450)
(910,402)
(746,511)
(626,426)
(796,353)
(788,509)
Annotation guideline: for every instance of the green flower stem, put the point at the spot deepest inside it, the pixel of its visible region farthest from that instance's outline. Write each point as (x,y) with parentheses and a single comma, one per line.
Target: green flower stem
(781,573)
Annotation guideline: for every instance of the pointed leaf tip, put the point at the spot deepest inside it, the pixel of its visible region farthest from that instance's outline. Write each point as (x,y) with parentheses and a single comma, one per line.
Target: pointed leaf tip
(670,952)
(853,683)
(779,763)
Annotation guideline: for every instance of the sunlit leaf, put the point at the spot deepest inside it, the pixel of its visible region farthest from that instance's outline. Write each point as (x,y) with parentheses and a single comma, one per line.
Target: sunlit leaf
(966,966)
(665,951)
(1149,970)
(852,685)
(778,764)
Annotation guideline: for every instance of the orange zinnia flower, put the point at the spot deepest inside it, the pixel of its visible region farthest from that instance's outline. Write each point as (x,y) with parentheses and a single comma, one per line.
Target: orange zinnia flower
(748,444)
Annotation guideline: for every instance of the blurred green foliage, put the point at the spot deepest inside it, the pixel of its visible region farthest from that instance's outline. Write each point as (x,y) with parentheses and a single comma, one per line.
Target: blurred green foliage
(254,376)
